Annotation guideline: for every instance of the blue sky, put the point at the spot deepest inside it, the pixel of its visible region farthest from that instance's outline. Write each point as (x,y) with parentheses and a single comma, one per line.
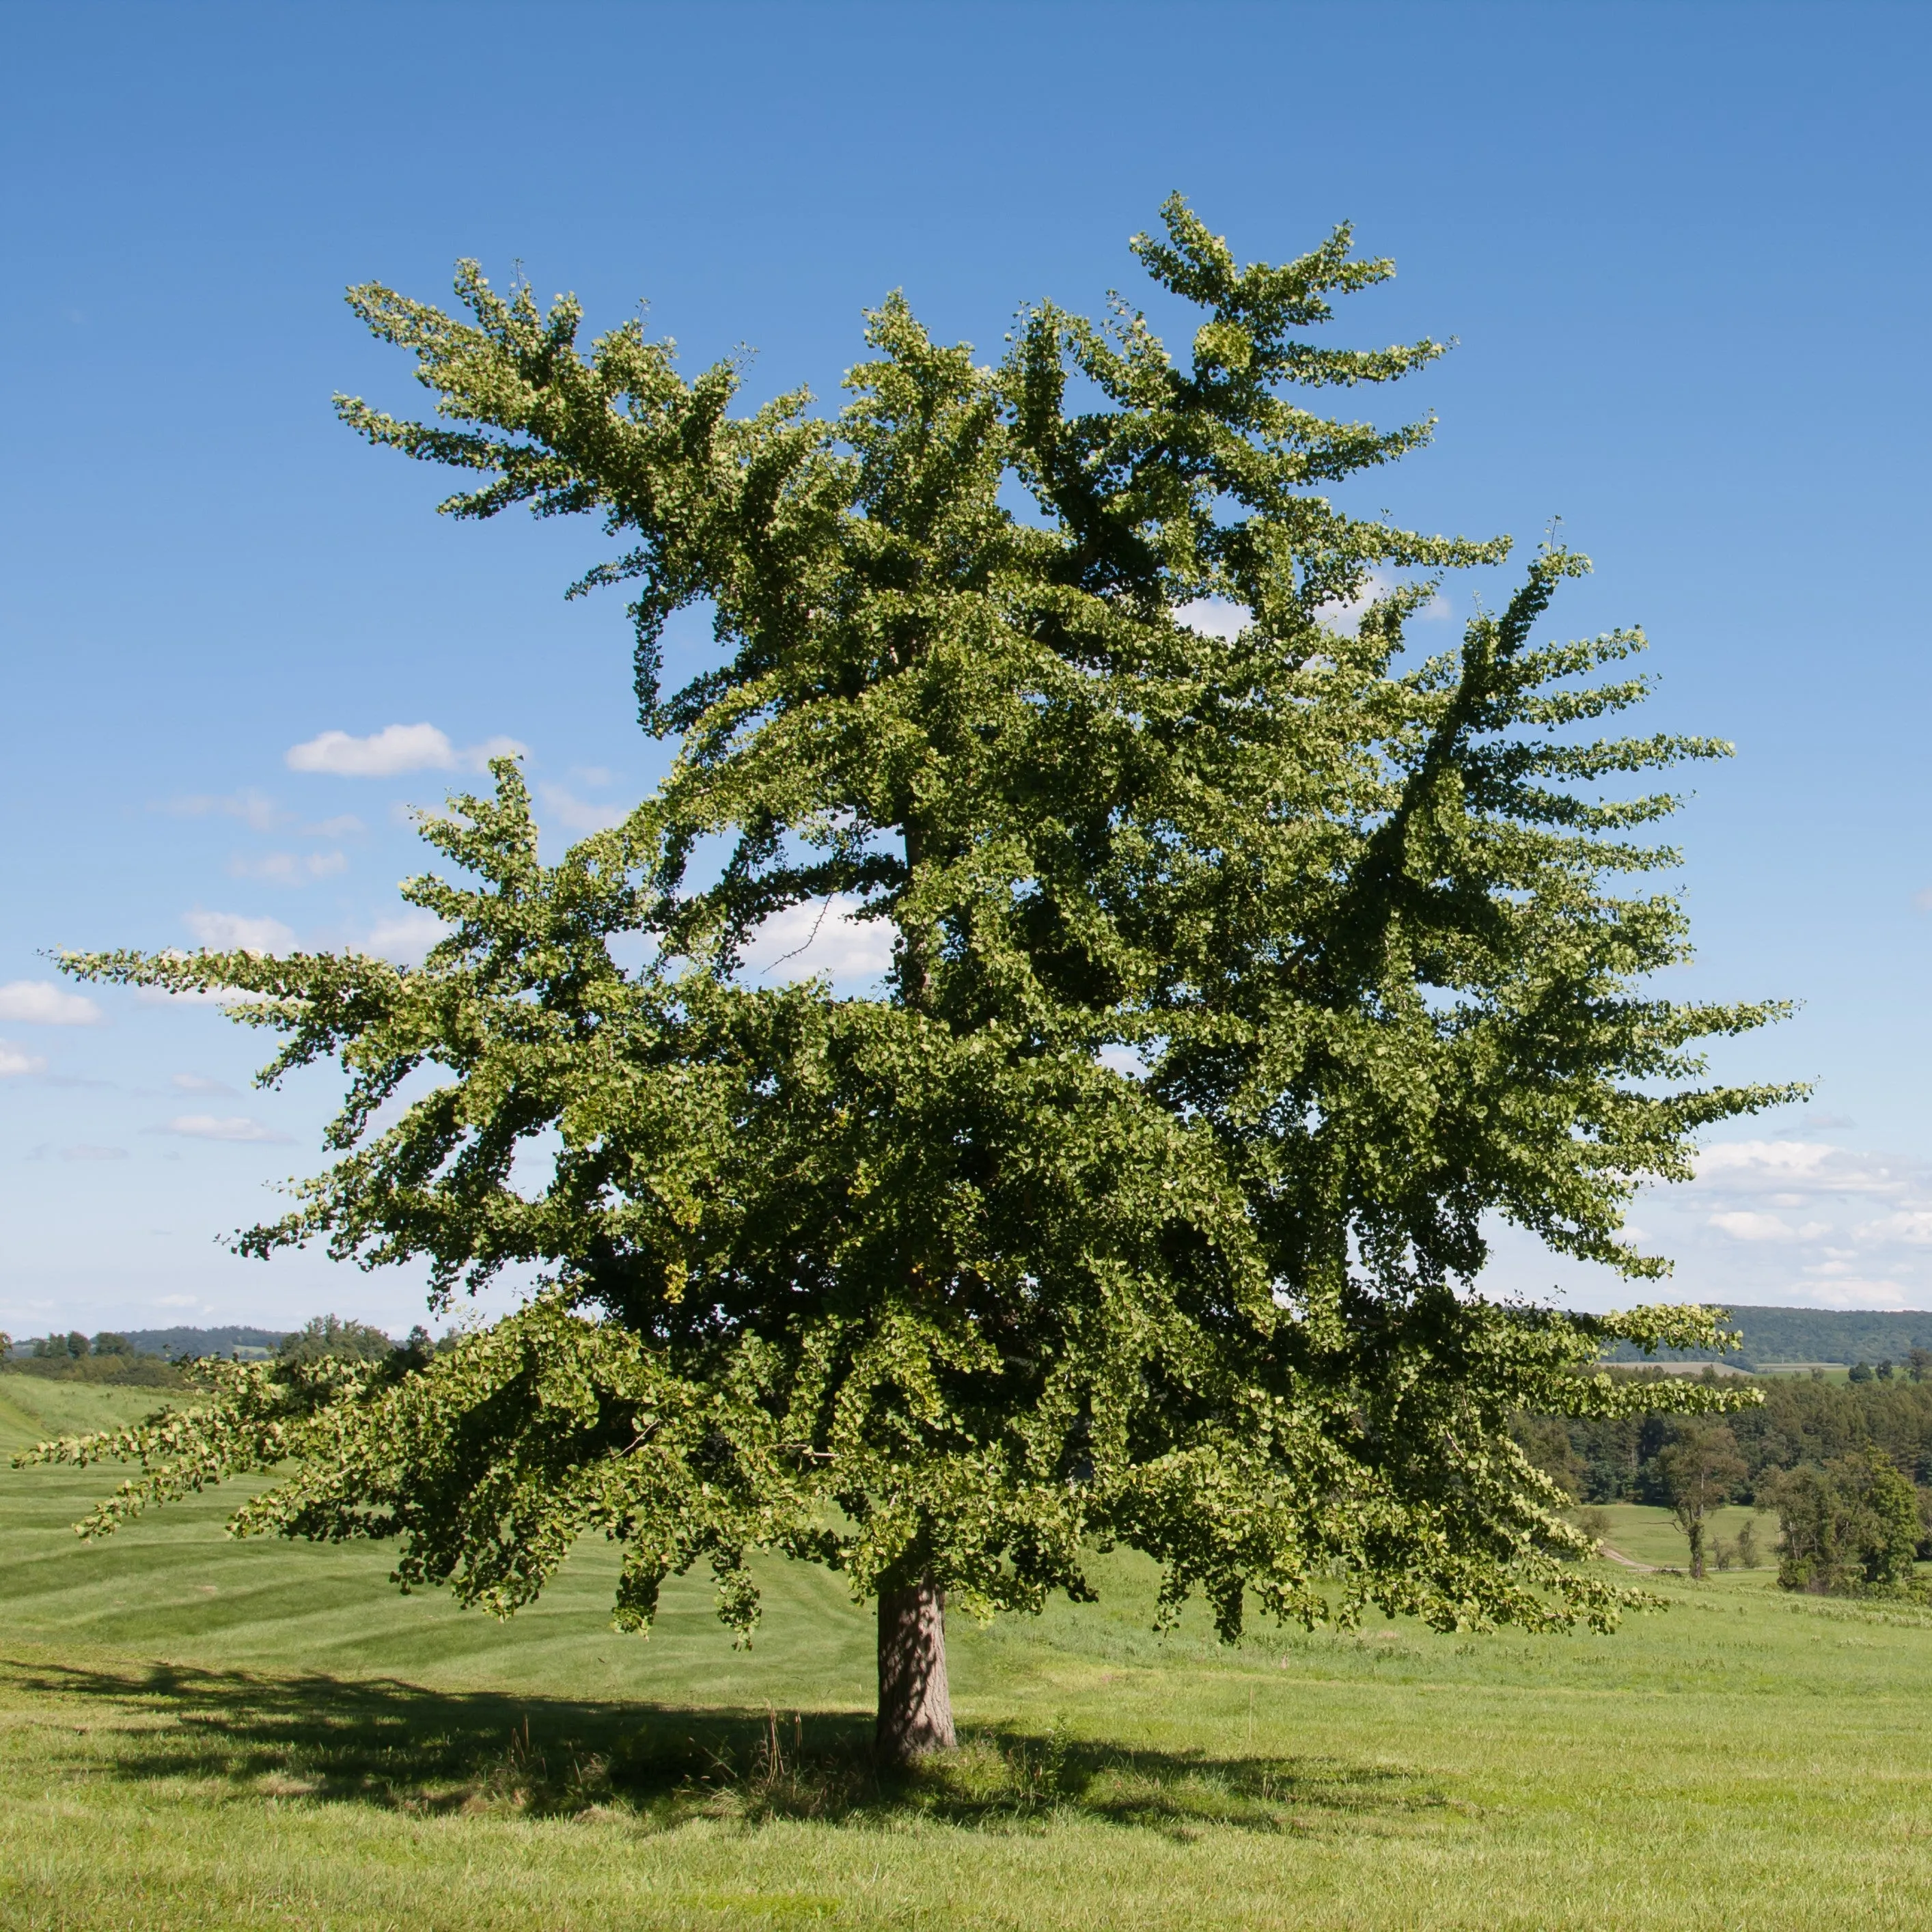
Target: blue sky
(1683,249)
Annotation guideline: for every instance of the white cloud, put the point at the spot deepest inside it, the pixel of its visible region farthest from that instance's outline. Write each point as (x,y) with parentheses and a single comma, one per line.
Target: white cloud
(1797,1221)
(200,1083)
(1761,1167)
(407,938)
(13,1062)
(1861,1294)
(42,1003)
(475,757)
(343,825)
(821,937)
(1913,1227)
(229,1127)
(1745,1226)
(1215,617)
(255,809)
(580,815)
(84,1152)
(236,932)
(394,749)
(289,868)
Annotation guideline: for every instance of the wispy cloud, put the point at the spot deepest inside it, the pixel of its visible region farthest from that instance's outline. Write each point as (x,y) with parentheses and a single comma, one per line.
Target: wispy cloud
(343,825)
(1743,1225)
(42,1003)
(14,1062)
(580,815)
(84,1152)
(1799,1221)
(392,751)
(288,869)
(237,932)
(406,939)
(199,1083)
(255,809)
(221,1127)
(1807,1166)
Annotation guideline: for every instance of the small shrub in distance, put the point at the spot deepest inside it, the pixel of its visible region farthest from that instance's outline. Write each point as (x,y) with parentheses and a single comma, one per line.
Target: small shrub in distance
(1594,1522)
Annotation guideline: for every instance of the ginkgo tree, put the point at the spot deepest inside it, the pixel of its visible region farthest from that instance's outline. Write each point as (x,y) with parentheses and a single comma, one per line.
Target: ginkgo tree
(1247,964)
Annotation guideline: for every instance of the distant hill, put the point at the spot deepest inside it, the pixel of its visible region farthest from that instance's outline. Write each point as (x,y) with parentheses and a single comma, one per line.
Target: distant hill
(175,1342)
(1823,1335)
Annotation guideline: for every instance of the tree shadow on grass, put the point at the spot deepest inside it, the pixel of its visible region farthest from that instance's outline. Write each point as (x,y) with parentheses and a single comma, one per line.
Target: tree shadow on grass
(381,1742)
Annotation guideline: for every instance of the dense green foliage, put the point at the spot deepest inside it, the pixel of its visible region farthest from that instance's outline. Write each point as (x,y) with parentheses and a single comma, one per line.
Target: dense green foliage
(1241,969)
(1856,1524)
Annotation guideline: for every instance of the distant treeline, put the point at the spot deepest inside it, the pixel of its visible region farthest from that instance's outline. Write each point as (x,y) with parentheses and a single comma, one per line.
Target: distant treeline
(1806,1335)
(148,1356)
(170,1344)
(1802,1423)
(176,1343)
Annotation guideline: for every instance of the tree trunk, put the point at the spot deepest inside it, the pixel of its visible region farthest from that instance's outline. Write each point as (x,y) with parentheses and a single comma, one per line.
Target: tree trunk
(1695,1533)
(915,1704)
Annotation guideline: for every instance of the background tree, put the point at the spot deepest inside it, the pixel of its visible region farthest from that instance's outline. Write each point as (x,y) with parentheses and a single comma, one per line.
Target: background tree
(1243,962)
(1700,1466)
(326,1336)
(1854,1524)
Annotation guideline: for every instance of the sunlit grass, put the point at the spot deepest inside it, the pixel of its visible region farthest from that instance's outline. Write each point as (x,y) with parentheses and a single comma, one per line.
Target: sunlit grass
(195,1733)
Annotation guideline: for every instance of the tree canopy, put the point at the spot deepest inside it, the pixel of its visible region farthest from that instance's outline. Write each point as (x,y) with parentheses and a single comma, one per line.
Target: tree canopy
(1246,963)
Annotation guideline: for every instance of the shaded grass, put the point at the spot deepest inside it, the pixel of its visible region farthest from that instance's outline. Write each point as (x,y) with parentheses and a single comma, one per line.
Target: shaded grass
(398,1747)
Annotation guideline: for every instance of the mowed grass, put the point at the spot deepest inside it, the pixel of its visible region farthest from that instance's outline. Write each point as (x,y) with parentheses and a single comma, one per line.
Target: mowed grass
(197,1733)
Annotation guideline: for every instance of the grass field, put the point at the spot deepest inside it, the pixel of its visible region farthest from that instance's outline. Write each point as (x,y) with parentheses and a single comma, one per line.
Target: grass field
(195,1733)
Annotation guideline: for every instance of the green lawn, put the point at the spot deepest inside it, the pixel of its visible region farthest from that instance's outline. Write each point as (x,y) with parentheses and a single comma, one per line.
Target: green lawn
(195,1733)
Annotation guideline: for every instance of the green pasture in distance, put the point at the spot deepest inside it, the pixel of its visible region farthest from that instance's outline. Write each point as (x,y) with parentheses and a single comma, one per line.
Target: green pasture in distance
(30,1409)
(1652,1536)
(195,1733)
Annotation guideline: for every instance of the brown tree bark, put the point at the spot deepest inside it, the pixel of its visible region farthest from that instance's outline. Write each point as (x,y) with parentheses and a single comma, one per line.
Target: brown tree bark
(915,1702)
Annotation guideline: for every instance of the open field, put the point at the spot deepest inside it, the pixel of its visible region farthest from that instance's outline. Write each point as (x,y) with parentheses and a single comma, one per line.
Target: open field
(194,1732)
